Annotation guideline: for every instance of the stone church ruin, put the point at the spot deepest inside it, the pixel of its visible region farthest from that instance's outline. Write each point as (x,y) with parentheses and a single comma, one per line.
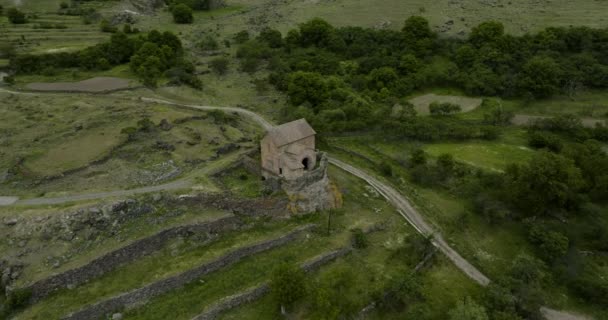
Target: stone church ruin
(290,162)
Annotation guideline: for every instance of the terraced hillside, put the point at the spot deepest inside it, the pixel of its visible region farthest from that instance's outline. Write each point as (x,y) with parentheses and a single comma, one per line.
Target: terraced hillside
(184,273)
(48,31)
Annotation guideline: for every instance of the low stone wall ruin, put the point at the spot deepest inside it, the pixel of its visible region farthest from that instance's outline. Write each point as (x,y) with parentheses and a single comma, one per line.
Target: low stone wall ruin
(154,289)
(137,249)
(266,207)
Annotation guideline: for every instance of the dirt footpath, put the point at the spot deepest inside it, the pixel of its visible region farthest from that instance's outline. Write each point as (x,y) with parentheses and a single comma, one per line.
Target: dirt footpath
(95,85)
(523,119)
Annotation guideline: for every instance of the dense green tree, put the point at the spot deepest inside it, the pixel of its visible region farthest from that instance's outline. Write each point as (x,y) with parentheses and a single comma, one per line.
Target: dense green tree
(497,115)
(241,37)
(418,157)
(182,13)
(540,77)
(418,35)
(486,32)
(15,16)
(150,71)
(403,291)
(120,48)
(384,77)
(541,139)
(549,181)
(551,244)
(307,87)
(272,37)
(316,32)
(416,28)
(468,309)
(446,163)
(409,64)
(330,295)
(287,285)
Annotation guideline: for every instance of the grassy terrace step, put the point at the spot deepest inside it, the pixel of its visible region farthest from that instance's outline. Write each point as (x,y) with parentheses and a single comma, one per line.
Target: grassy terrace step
(190,300)
(176,257)
(59,31)
(131,232)
(59,37)
(375,268)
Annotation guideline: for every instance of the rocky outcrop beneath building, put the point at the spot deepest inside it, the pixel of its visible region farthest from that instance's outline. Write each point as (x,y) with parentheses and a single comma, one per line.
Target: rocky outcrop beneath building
(147,6)
(313,191)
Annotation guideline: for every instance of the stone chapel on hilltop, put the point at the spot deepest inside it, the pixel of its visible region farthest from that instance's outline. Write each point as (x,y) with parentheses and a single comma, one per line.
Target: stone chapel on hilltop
(288,150)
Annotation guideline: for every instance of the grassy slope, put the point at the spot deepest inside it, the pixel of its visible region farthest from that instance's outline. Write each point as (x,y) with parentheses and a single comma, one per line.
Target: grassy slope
(491,248)
(81,251)
(60,132)
(178,256)
(362,209)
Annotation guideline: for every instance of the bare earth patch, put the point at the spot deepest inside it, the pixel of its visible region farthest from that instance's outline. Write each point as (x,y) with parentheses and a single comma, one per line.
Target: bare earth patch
(97,84)
(523,119)
(422,103)
(551,314)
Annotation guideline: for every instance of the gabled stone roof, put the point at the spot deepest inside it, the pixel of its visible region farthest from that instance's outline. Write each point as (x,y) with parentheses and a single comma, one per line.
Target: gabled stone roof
(291,132)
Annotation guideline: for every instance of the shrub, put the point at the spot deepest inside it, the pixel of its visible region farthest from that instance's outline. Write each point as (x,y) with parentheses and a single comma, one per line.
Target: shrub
(287,285)
(359,239)
(540,140)
(15,16)
(18,299)
(241,37)
(209,43)
(386,168)
(442,109)
(182,13)
(105,26)
(220,65)
(418,157)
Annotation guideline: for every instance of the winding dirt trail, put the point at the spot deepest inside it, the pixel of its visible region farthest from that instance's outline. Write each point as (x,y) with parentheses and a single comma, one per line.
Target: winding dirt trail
(404,207)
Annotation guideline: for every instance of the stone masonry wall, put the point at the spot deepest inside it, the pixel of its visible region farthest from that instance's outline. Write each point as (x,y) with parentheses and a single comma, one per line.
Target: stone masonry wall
(268,206)
(313,191)
(154,289)
(135,250)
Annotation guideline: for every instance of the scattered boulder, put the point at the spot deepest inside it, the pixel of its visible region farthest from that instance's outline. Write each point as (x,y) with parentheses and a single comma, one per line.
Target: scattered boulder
(117,316)
(165,125)
(147,6)
(227,148)
(124,17)
(10,221)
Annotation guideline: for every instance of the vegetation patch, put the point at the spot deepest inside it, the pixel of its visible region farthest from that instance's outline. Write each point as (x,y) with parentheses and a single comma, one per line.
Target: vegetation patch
(422,103)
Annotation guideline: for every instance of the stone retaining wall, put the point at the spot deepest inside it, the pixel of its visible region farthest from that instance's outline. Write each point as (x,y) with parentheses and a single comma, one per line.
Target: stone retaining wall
(154,289)
(234,301)
(137,249)
(268,206)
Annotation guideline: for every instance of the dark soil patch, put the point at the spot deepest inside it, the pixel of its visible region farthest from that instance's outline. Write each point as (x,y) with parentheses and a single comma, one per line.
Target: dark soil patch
(97,84)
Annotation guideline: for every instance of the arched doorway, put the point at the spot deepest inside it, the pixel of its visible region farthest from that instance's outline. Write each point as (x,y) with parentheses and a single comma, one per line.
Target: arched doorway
(306,163)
